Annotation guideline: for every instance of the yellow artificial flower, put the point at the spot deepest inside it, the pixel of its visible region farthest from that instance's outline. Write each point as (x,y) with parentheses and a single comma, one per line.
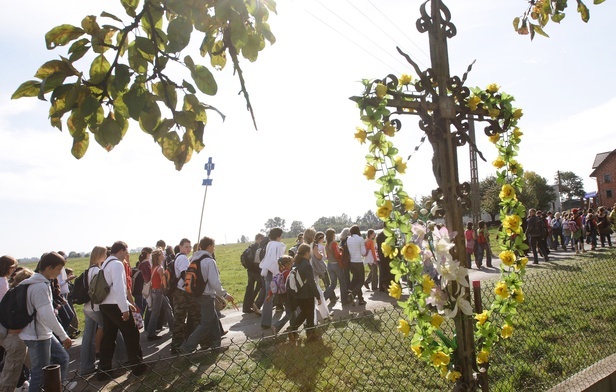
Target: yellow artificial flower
(388,250)
(381,90)
(517,133)
(482,356)
(437,320)
(482,317)
(507,257)
(395,290)
(369,172)
(498,163)
(513,223)
(507,192)
(405,79)
(494,113)
(501,289)
(404,327)
(410,252)
(514,166)
(361,135)
(518,295)
(473,102)
(389,129)
(521,263)
(517,114)
(427,284)
(400,166)
(453,375)
(494,138)
(439,358)
(506,331)
(409,204)
(385,210)
(492,88)
(417,350)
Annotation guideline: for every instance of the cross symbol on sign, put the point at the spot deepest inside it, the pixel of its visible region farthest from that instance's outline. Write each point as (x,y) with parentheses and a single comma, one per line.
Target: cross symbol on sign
(209,166)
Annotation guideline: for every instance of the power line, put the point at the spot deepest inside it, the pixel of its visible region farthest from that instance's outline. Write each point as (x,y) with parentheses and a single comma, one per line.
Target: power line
(379,46)
(384,32)
(400,30)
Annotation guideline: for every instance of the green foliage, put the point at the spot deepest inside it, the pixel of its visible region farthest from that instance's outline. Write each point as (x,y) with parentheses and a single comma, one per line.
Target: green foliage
(489,190)
(571,185)
(128,75)
(540,12)
(537,193)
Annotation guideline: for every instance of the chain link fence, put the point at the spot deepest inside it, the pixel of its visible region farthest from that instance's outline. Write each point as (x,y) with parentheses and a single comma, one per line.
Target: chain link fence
(567,324)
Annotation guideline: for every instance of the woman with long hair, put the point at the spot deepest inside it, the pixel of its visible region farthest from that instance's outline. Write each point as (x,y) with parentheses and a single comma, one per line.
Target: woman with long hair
(93,330)
(306,294)
(159,301)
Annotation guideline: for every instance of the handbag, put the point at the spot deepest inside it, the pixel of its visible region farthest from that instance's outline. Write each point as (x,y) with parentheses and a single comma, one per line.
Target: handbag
(219,303)
(138,319)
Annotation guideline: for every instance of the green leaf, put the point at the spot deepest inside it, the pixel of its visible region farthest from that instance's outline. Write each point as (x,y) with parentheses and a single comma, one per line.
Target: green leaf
(130,6)
(109,133)
(62,35)
(76,123)
(80,145)
(204,79)
(516,24)
(122,77)
(108,15)
(185,119)
(189,87)
(169,144)
(99,69)
(135,100)
(167,93)
(540,31)
(598,1)
(149,118)
(583,10)
(54,67)
(255,43)
(218,57)
(78,49)
(30,88)
(192,104)
(178,32)
(136,60)
(146,48)
(162,129)
(90,25)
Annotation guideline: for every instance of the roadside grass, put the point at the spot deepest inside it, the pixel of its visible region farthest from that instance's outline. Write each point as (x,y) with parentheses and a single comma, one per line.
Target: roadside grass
(567,323)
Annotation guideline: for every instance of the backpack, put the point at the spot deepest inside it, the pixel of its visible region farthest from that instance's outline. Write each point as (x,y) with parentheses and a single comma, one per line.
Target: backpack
(263,248)
(99,288)
(169,282)
(14,308)
(278,284)
(193,278)
(557,224)
(80,289)
(294,281)
(248,256)
(138,281)
(573,226)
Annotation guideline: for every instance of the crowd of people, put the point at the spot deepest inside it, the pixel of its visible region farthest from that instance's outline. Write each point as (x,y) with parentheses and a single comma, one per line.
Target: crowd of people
(320,267)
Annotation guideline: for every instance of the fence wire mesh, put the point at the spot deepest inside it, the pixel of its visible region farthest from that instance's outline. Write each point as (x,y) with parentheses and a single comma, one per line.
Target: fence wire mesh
(567,324)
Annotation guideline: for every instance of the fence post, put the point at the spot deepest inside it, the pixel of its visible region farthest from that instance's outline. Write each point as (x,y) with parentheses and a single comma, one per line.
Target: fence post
(51,378)
(483,368)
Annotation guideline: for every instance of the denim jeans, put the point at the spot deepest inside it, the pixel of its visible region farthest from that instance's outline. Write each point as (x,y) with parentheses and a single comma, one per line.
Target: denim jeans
(88,351)
(357,269)
(336,275)
(159,302)
(483,249)
(266,312)
(43,353)
(208,329)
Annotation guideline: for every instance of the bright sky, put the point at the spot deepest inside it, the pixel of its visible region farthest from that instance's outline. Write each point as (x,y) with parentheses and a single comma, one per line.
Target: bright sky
(303,162)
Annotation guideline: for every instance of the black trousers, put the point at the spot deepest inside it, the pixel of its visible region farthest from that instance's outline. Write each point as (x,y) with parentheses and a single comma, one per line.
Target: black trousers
(112,322)
(306,307)
(357,270)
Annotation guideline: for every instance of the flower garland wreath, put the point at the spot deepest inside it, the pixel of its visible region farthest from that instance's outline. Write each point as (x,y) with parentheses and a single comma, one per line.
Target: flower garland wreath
(420,251)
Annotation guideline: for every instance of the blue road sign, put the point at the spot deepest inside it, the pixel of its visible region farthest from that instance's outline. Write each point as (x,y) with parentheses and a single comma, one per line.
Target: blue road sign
(207,181)
(209,166)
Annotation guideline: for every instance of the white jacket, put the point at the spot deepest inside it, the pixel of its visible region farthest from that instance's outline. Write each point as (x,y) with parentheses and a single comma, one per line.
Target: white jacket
(273,251)
(116,279)
(45,323)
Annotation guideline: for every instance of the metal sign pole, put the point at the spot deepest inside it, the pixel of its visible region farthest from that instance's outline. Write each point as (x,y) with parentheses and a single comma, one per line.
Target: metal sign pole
(209,166)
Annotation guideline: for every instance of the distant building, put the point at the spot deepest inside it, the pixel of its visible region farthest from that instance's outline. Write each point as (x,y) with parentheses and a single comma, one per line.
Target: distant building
(604,171)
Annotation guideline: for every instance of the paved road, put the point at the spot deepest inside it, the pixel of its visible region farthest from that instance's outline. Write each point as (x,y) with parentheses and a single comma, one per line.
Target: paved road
(247,326)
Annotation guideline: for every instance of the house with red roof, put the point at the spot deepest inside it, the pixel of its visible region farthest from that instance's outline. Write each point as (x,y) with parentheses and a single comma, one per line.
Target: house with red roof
(604,171)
